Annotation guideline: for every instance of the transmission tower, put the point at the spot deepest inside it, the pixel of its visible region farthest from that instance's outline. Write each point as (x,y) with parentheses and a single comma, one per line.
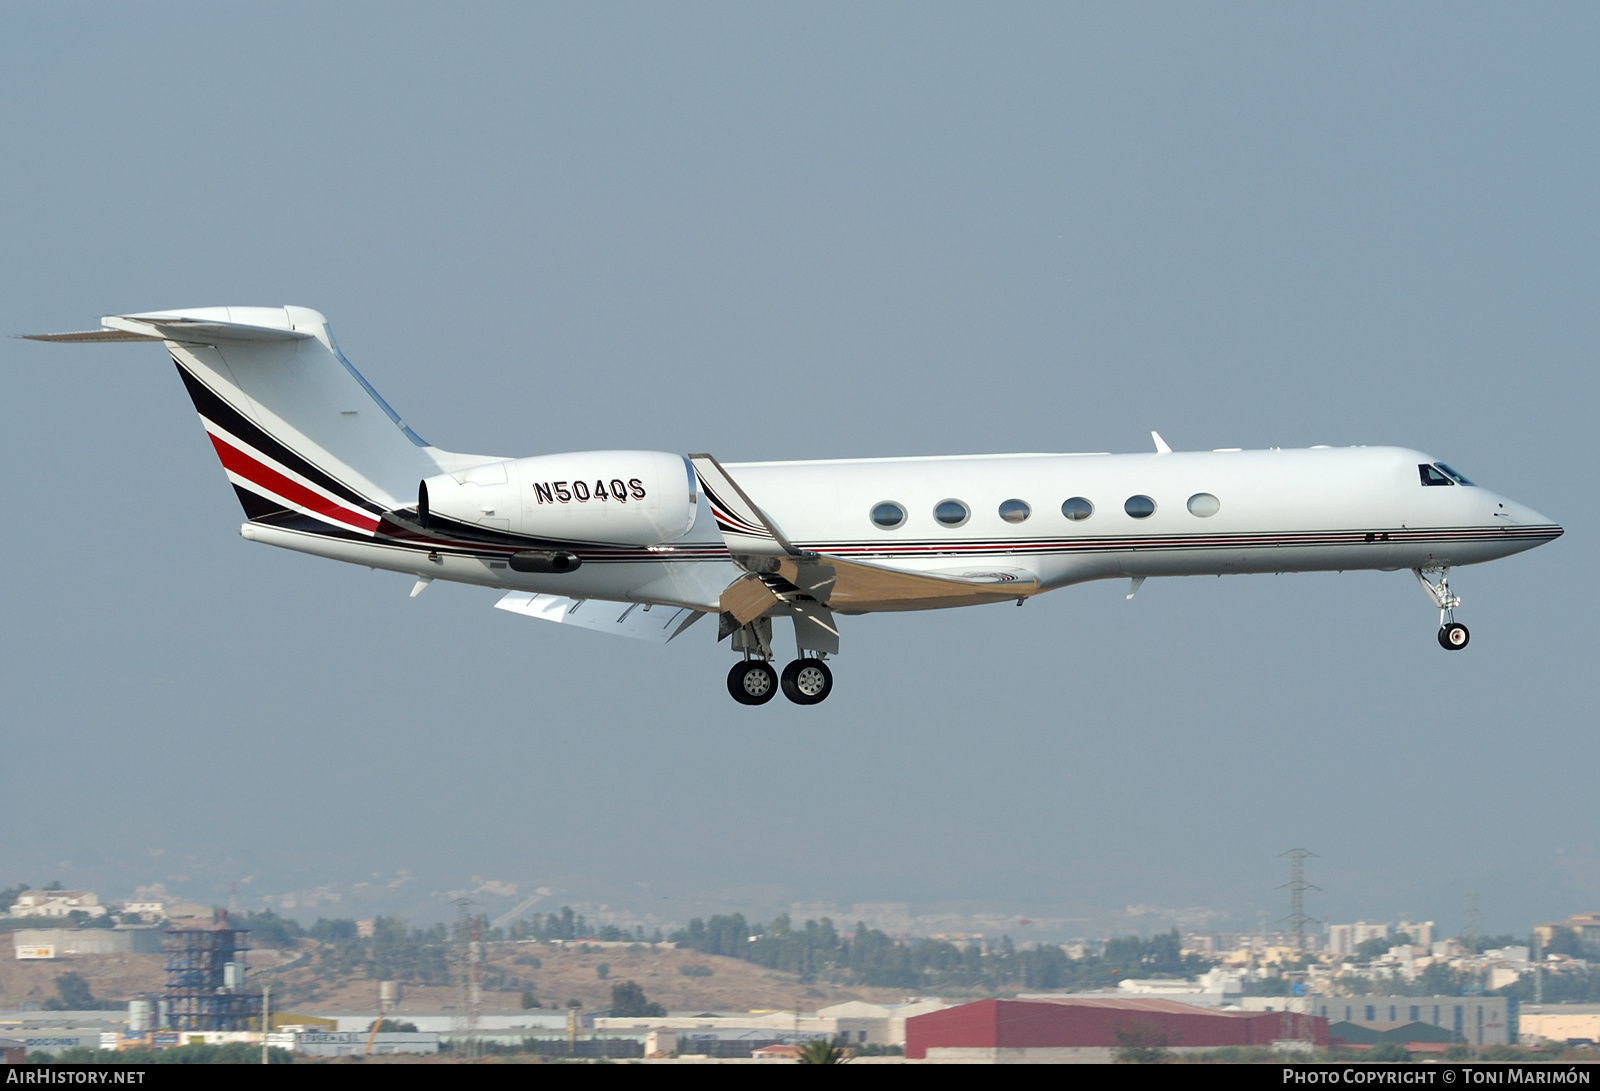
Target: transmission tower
(469,977)
(1297,887)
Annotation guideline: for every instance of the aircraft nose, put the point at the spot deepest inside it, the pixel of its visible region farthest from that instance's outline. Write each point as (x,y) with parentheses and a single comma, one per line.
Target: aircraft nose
(1520,515)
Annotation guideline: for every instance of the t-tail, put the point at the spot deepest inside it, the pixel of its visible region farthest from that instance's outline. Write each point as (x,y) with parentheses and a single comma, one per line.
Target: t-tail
(306,441)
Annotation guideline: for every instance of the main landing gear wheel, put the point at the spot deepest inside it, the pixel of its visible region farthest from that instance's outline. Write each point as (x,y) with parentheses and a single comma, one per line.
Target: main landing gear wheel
(1454,636)
(753,682)
(807,681)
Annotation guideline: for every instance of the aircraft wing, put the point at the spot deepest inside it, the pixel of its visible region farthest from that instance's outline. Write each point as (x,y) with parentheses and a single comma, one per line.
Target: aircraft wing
(658,624)
(858,587)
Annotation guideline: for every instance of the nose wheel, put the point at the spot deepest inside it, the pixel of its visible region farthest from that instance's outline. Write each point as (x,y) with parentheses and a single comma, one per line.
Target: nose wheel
(1453,635)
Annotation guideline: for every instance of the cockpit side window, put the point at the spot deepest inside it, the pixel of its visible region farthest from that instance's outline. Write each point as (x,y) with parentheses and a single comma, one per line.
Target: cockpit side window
(1431,476)
(1451,474)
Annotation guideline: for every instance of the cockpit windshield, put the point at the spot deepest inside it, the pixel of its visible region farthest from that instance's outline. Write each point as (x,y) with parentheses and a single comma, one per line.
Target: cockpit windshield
(1457,478)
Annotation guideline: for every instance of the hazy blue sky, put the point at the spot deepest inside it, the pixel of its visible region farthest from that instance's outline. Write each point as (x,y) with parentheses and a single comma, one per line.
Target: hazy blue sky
(806,231)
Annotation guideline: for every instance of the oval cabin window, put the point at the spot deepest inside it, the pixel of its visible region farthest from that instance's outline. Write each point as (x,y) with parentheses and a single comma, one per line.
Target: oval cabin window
(888,514)
(1204,505)
(1140,507)
(1077,509)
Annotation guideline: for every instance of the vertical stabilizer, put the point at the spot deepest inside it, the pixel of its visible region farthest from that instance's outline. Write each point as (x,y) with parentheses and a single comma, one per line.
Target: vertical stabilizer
(300,432)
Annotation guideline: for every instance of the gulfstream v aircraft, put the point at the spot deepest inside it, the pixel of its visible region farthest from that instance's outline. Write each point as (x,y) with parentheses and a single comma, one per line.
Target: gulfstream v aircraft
(645,543)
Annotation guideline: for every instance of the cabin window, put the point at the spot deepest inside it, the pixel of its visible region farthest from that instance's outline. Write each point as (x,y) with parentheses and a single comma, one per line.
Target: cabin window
(1077,509)
(1140,507)
(1015,511)
(951,513)
(1431,476)
(888,514)
(1204,505)
(1451,474)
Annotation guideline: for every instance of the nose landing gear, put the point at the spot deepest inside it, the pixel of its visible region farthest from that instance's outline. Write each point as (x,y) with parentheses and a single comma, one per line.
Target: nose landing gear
(1453,636)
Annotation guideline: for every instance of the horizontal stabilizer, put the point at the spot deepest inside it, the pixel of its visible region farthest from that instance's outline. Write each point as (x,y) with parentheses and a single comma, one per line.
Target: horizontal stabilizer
(642,622)
(186,329)
(92,336)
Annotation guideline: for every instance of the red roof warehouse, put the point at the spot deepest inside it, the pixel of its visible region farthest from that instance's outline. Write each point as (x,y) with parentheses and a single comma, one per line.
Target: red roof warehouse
(1091,1027)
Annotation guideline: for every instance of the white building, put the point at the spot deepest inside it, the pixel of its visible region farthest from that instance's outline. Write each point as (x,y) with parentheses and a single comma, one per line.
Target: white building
(856,1022)
(57,903)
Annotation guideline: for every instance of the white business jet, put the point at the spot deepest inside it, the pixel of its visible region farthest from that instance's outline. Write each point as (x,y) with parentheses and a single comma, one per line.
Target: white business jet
(645,543)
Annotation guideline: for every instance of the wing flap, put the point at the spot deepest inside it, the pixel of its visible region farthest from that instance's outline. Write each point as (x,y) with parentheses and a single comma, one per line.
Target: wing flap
(858,587)
(658,624)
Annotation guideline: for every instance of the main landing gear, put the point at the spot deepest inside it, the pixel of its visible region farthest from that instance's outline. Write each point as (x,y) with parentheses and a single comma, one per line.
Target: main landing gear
(1453,635)
(806,681)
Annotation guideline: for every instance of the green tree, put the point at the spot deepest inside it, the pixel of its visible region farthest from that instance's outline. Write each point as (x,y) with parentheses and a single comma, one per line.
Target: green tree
(529,1000)
(823,1051)
(73,994)
(629,1001)
(1564,941)
(1388,1052)
(1141,1043)
(603,970)
(267,929)
(393,1026)
(1367,950)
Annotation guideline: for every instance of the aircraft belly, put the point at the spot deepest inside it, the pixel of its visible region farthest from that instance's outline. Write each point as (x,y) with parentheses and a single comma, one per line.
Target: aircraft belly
(1379,556)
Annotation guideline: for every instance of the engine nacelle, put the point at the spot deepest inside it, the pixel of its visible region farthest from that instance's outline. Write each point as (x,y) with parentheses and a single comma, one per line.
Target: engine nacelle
(623,497)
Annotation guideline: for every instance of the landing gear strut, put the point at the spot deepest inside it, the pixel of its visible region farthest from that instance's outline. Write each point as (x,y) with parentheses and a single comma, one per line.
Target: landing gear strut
(1453,635)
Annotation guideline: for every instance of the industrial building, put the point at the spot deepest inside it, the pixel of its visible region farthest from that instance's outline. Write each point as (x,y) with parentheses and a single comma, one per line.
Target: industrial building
(1572,1023)
(1081,1029)
(48,943)
(1476,1020)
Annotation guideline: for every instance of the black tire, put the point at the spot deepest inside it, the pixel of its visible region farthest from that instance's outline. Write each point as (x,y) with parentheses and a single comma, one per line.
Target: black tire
(1453,637)
(752,682)
(807,681)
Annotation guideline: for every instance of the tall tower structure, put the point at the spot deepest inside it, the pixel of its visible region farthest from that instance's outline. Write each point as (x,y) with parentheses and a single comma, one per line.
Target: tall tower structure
(1297,888)
(469,976)
(206,986)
